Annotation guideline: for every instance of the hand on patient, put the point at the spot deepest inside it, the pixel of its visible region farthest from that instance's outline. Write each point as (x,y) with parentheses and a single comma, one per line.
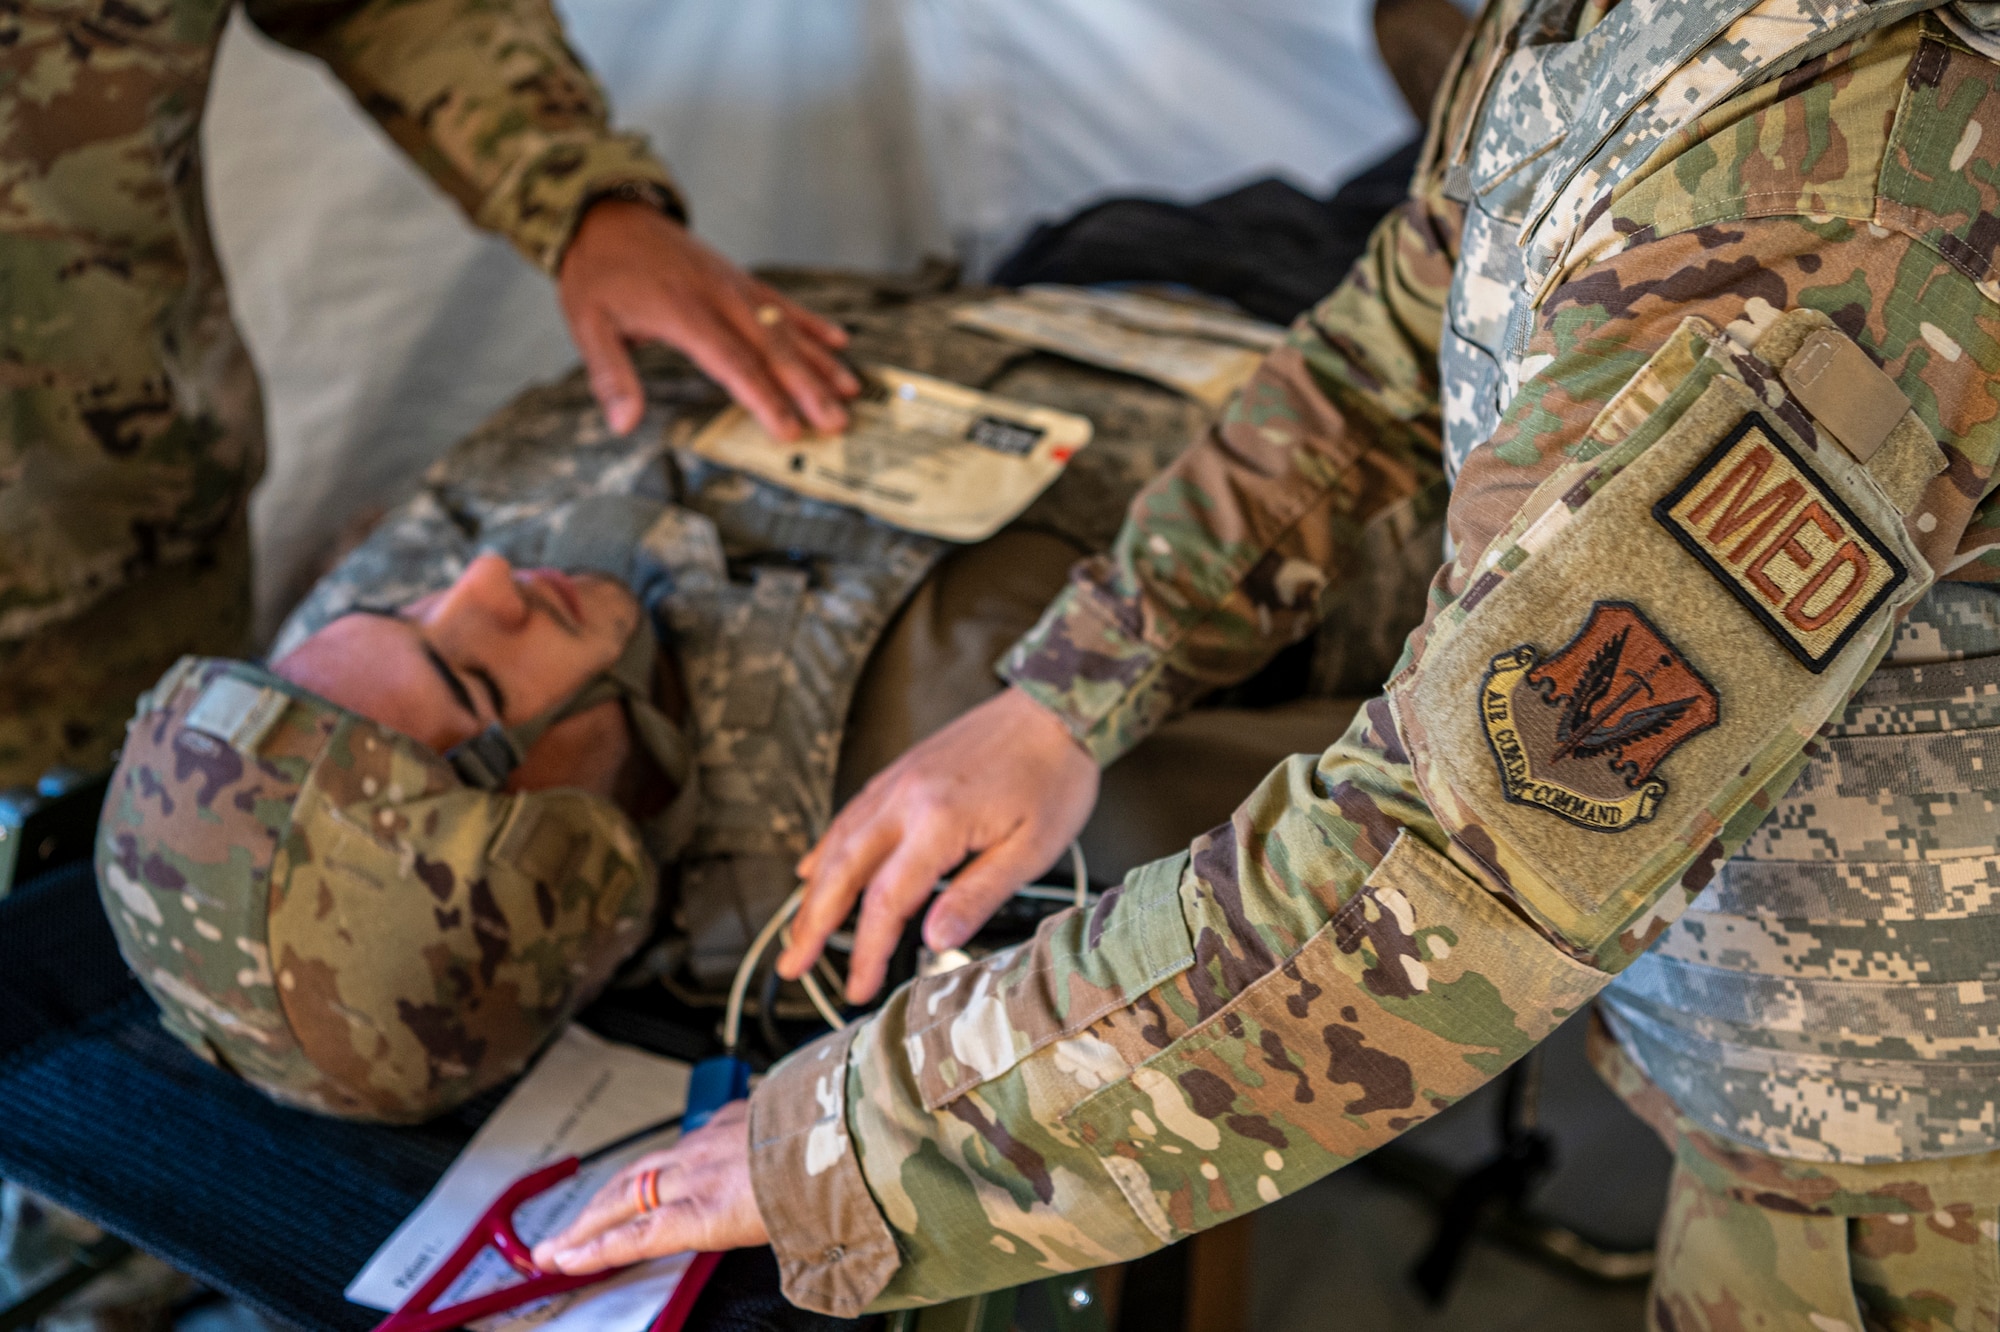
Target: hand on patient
(705,1204)
(1005,784)
(634,275)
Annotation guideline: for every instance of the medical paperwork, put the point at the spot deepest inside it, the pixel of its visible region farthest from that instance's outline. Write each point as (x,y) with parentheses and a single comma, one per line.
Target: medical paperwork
(584,1092)
(1205,353)
(919,453)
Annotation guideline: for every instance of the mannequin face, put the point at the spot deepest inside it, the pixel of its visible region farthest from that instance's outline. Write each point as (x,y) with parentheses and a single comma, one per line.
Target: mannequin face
(499,644)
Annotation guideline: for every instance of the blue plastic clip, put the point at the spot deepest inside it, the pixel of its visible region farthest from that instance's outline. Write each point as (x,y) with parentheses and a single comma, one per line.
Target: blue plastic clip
(716,1082)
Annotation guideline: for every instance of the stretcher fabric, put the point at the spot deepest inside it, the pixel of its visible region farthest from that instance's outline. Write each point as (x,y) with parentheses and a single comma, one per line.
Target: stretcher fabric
(109,1115)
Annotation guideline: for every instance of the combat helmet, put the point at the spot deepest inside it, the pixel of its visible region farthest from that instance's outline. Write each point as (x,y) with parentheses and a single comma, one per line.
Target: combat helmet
(351,921)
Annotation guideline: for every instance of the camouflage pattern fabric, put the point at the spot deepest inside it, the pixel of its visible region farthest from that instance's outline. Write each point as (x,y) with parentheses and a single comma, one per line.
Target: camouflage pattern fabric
(319,905)
(66,691)
(1620,674)
(133,428)
(1750,1239)
(1725,1265)
(1827,998)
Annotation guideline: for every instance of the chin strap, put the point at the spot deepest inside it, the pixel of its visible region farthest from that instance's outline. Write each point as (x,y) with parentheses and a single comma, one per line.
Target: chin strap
(488,759)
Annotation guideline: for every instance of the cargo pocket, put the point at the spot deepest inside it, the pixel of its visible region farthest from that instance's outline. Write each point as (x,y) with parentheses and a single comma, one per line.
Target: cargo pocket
(1775,1268)
(1419,989)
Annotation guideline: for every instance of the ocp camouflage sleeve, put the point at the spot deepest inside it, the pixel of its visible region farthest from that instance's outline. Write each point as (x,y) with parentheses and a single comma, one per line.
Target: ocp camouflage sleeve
(1233,551)
(486,97)
(1684,547)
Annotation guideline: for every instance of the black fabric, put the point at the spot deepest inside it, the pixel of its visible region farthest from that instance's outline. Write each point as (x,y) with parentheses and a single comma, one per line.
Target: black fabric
(1269,247)
(105,1113)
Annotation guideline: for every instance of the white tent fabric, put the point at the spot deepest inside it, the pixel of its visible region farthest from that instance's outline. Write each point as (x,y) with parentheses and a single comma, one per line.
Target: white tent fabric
(866,133)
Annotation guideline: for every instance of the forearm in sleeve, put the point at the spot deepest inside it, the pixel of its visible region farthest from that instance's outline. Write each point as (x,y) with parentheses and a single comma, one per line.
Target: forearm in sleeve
(1648,620)
(487,98)
(1232,552)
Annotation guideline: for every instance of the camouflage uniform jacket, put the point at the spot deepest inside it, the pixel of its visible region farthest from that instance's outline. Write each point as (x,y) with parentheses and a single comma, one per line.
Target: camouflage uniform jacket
(1679,546)
(133,429)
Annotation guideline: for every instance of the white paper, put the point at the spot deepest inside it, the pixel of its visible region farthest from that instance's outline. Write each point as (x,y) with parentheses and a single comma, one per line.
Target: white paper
(923,454)
(1206,354)
(584,1092)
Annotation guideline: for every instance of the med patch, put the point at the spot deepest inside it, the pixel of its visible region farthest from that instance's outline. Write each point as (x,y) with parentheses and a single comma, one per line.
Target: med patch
(1579,734)
(1762,521)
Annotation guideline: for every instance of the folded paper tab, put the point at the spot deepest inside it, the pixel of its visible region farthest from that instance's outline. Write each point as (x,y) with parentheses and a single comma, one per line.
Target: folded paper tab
(1206,354)
(920,453)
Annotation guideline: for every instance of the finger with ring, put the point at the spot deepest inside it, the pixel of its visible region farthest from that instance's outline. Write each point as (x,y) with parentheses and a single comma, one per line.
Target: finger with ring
(771,315)
(646,1185)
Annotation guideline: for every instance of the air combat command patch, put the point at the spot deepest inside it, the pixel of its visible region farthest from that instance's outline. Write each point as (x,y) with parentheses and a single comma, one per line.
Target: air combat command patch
(1581,733)
(1762,521)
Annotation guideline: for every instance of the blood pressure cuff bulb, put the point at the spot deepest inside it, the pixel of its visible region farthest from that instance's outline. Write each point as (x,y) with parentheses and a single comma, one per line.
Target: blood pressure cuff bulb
(329,910)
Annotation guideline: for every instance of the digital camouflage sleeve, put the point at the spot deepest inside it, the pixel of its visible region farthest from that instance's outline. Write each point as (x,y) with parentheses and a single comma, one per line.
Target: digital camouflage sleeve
(1684,546)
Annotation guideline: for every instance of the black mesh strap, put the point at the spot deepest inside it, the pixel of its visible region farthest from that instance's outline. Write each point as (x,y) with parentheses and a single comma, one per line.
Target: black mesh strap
(488,759)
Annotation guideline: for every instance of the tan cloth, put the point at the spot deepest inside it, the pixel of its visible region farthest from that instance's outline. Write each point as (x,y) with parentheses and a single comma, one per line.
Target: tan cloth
(936,659)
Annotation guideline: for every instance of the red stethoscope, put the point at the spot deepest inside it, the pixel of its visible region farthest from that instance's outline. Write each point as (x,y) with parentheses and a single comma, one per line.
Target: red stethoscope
(495,1230)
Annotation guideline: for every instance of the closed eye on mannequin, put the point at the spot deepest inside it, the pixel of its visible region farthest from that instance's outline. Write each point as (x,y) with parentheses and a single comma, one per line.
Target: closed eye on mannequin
(453,678)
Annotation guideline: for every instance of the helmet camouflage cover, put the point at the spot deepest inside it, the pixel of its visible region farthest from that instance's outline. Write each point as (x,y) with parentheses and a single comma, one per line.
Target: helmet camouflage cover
(322,906)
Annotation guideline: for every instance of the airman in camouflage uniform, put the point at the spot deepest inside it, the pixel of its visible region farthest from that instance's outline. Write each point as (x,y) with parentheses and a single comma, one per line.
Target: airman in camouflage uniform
(1697,306)
(134,431)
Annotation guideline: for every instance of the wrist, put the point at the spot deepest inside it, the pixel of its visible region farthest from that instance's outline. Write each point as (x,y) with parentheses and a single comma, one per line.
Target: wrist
(639,200)
(1031,714)
(1087,663)
(645,193)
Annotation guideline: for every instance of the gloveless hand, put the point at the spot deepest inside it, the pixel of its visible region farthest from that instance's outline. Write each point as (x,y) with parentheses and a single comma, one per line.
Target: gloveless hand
(632,275)
(704,1204)
(1005,783)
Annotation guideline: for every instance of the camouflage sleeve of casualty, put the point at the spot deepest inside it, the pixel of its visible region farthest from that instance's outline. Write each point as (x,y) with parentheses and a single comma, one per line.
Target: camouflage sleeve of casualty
(486,96)
(1231,553)
(1382,928)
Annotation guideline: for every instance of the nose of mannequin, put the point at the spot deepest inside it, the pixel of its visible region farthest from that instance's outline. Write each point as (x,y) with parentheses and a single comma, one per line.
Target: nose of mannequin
(486,588)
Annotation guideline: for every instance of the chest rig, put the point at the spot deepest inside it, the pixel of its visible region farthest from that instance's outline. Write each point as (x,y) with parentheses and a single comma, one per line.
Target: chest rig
(1832,995)
(768,604)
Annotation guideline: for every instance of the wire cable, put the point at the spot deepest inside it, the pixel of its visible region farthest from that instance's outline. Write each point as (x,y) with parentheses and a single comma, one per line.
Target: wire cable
(779,927)
(822,1003)
(732,1012)
(767,1015)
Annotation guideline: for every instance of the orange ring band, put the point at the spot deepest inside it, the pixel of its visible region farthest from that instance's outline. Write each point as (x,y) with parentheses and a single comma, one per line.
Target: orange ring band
(647,1185)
